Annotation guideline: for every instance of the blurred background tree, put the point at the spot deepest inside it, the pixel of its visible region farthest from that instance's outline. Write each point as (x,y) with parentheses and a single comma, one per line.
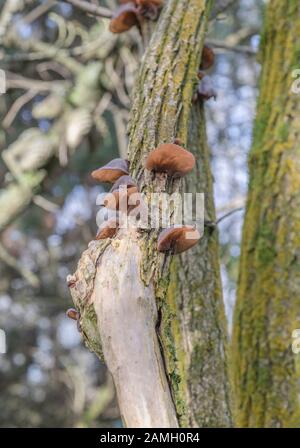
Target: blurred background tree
(266,371)
(68,86)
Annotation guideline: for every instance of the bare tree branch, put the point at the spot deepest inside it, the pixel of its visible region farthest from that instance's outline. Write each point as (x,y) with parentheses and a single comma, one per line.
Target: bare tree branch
(14,81)
(37,12)
(89,8)
(17,105)
(13,263)
(237,202)
(236,48)
(229,214)
(45,204)
(220,6)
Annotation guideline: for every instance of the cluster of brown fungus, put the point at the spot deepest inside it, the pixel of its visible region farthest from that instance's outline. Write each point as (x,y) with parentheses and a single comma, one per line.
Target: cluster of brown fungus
(173,159)
(131,12)
(169,158)
(205,89)
(115,172)
(122,189)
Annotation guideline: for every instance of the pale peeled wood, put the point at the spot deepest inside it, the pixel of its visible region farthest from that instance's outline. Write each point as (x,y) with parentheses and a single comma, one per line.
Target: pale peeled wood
(127,316)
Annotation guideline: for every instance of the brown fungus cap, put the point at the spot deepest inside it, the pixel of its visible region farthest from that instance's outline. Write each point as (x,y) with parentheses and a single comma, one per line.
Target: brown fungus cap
(208,58)
(124,18)
(112,171)
(116,191)
(123,181)
(108,229)
(178,239)
(172,159)
(72,314)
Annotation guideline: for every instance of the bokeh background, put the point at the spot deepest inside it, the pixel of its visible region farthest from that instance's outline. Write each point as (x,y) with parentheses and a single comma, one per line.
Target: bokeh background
(66,106)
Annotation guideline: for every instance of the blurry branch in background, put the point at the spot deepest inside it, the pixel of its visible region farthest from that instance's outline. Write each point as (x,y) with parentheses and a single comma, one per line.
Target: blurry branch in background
(12,7)
(233,41)
(15,198)
(15,81)
(220,7)
(8,10)
(239,209)
(234,206)
(35,50)
(37,12)
(238,36)
(17,106)
(45,204)
(236,48)
(14,263)
(91,8)
(74,106)
(43,69)
(34,87)
(75,379)
(237,203)
(104,396)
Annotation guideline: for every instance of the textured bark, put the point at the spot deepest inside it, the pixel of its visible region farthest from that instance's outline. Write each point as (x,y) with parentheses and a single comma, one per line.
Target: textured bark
(161,112)
(195,288)
(266,372)
(127,317)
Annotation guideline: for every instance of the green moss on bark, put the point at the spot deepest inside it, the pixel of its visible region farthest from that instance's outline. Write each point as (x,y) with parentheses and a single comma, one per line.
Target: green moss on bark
(161,112)
(195,289)
(266,372)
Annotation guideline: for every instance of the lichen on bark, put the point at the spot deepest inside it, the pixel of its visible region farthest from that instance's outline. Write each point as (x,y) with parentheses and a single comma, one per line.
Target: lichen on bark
(195,288)
(162,110)
(265,370)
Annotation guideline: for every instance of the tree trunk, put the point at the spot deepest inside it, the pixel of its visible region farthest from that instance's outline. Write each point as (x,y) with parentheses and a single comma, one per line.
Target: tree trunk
(196,291)
(266,372)
(164,342)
